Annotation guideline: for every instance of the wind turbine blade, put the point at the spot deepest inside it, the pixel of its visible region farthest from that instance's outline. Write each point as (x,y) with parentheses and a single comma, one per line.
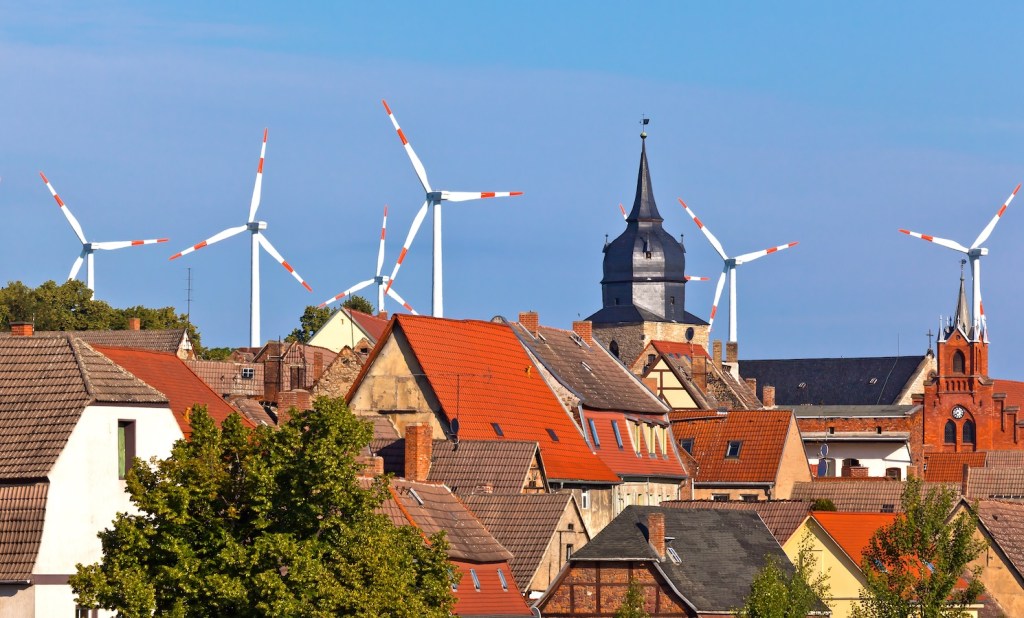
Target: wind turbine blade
(77,227)
(992,224)
(417,165)
(955,246)
(121,244)
(465,196)
(280,260)
(383,233)
(416,223)
(718,296)
(231,231)
(711,237)
(692,278)
(76,266)
(393,294)
(750,257)
(352,290)
(623,211)
(257,190)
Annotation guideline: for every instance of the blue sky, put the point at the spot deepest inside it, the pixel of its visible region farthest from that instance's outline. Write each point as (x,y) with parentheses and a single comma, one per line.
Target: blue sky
(829,124)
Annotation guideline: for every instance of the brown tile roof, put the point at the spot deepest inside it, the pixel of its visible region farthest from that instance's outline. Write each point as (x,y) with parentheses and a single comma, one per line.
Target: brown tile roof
(1005,524)
(858,495)
(762,437)
(995,483)
(45,383)
(22,510)
(372,325)
(1004,459)
(383,428)
(589,371)
(949,467)
(503,465)
(160,340)
(723,390)
(783,517)
(226,377)
(523,523)
(253,410)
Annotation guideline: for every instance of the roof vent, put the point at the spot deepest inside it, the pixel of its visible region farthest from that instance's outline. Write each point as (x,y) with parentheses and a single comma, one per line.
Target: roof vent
(873,381)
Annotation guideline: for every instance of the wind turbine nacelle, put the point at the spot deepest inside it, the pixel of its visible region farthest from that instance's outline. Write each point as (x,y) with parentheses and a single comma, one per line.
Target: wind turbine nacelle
(256,226)
(87,247)
(977,252)
(437,196)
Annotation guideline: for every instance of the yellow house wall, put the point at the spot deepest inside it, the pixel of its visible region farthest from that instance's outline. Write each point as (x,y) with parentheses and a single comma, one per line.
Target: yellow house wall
(999,577)
(734,493)
(554,555)
(793,467)
(844,577)
(669,387)
(338,332)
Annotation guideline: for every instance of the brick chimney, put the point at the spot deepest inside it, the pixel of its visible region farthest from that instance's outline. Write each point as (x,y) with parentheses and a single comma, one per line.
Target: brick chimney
(585,330)
(732,351)
(382,315)
(699,368)
(372,466)
(656,532)
(768,396)
(22,329)
(751,384)
(134,324)
(419,445)
(530,320)
(318,365)
(716,353)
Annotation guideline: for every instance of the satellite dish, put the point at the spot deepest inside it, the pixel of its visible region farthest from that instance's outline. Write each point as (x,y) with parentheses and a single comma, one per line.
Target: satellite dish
(455,427)
(823,451)
(822,468)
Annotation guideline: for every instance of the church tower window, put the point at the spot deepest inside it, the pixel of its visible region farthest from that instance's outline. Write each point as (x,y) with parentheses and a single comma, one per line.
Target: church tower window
(950,432)
(968,432)
(958,362)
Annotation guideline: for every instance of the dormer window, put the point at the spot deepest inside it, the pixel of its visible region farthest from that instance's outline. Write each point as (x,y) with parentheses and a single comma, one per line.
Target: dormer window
(248,373)
(733,450)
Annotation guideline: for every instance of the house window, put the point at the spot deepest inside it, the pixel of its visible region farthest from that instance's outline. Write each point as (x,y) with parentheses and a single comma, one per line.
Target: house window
(618,436)
(888,508)
(893,473)
(720,497)
(476,580)
(585,499)
(613,347)
(248,373)
(568,552)
(749,497)
(298,377)
(733,450)
(968,432)
(504,582)
(593,433)
(125,447)
(687,445)
(636,437)
(950,432)
(958,362)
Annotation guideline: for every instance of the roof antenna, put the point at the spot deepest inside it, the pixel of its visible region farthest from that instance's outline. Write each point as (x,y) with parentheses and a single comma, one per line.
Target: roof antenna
(644,121)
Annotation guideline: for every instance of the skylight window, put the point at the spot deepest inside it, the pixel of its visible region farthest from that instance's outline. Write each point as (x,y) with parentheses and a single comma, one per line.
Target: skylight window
(733,450)
(554,436)
(593,433)
(504,583)
(248,373)
(587,367)
(416,496)
(675,557)
(618,436)
(497,430)
(476,580)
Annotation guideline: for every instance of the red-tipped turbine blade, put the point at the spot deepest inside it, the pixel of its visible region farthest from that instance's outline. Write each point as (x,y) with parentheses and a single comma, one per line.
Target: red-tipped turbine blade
(465,196)
(280,260)
(352,290)
(416,223)
(992,224)
(383,233)
(120,244)
(257,190)
(417,165)
(750,257)
(692,278)
(393,294)
(623,211)
(718,297)
(228,233)
(75,225)
(955,246)
(707,233)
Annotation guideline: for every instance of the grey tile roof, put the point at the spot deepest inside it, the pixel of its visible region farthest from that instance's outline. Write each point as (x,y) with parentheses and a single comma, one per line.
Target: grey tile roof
(1005,523)
(834,381)
(876,495)
(995,483)
(502,465)
(589,371)
(523,523)
(783,517)
(720,551)
(45,384)
(1005,459)
(22,510)
(159,340)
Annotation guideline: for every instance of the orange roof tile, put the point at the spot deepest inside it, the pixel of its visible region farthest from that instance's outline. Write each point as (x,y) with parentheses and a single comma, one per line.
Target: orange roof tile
(762,437)
(949,467)
(492,598)
(852,531)
(171,376)
(481,375)
(625,460)
(372,325)
(685,349)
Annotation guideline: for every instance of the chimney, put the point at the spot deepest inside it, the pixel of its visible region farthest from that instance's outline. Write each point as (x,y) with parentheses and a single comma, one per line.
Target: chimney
(716,352)
(732,351)
(22,329)
(699,369)
(585,330)
(373,466)
(752,385)
(656,532)
(419,445)
(768,396)
(318,365)
(530,320)
(134,324)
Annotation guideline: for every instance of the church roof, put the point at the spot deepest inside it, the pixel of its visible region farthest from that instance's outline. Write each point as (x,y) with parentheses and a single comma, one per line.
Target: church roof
(644,208)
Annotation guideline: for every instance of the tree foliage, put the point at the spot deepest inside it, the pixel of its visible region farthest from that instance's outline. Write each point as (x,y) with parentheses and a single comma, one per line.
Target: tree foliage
(359,303)
(241,522)
(312,320)
(913,565)
(633,604)
(777,592)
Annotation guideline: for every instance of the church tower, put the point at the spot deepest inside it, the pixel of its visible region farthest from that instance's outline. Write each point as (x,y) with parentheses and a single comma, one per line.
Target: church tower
(643,290)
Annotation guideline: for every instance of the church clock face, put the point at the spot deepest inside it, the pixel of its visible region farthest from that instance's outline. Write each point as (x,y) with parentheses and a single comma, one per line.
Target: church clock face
(958,412)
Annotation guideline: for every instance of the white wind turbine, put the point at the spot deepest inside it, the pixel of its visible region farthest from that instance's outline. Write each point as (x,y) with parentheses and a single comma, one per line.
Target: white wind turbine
(433,198)
(974,253)
(258,239)
(89,247)
(379,279)
(730,270)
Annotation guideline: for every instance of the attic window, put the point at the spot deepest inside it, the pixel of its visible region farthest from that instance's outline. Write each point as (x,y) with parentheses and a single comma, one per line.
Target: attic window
(416,496)
(733,450)
(554,436)
(497,430)
(687,445)
(888,508)
(672,554)
(248,373)
(593,433)
(618,436)
(476,580)
(504,583)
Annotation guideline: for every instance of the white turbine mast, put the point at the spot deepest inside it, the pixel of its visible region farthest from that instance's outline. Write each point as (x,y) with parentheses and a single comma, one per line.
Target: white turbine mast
(380,280)
(433,199)
(730,270)
(89,247)
(974,254)
(258,240)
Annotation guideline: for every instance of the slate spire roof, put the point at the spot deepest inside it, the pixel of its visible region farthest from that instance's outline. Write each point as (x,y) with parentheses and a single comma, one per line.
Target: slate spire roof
(644,207)
(961,320)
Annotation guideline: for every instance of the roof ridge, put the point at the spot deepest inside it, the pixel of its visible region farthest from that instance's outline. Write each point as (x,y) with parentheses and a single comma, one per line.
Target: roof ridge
(73,343)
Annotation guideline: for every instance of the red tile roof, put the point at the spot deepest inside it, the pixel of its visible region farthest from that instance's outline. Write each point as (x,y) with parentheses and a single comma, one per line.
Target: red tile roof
(1014,391)
(481,375)
(949,467)
(624,460)
(171,376)
(852,531)
(689,350)
(762,434)
(371,324)
(492,599)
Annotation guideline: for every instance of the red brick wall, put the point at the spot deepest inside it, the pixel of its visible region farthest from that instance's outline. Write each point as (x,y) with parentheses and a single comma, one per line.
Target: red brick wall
(598,589)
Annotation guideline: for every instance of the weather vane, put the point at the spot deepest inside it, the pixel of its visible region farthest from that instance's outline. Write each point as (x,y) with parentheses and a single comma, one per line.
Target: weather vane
(644,121)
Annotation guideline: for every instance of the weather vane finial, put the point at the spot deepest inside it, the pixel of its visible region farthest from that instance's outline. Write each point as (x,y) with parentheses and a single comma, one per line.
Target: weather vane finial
(962,263)
(644,121)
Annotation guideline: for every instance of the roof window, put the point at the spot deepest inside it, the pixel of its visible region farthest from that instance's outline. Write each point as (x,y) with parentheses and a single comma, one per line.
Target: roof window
(476,580)
(416,496)
(504,582)
(733,450)
(888,508)
(672,554)
(618,436)
(687,445)
(497,430)
(554,436)
(587,367)
(873,381)
(248,373)
(593,433)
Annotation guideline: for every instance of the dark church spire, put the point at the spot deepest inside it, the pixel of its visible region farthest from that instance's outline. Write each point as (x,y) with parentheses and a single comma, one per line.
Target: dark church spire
(644,208)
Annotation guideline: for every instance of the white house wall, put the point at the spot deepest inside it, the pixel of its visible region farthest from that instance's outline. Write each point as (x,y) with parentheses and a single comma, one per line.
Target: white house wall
(875,456)
(85,494)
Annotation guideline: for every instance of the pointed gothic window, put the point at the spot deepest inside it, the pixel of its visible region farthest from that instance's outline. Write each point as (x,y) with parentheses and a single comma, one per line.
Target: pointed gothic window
(950,437)
(968,432)
(958,362)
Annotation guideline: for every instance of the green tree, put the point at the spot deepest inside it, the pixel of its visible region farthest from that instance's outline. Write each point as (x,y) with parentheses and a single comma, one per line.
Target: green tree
(242,522)
(633,604)
(912,566)
(778,592)
(359,304)
(312,320)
